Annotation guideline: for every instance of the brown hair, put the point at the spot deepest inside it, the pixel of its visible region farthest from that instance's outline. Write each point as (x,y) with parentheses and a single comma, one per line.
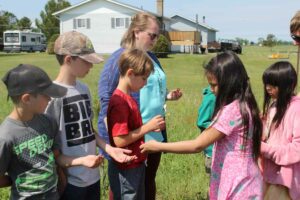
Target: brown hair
(137,60)
(139,22)
(295,22)
(61,58)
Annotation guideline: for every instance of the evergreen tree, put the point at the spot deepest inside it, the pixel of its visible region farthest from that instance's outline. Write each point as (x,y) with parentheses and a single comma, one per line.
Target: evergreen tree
(24,23)
(49,24)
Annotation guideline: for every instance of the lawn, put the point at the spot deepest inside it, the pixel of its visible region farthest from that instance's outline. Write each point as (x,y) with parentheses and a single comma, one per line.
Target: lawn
(179,176)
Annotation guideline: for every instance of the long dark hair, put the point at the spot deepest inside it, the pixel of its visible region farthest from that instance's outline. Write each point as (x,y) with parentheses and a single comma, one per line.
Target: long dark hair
(282,75)
(233,84)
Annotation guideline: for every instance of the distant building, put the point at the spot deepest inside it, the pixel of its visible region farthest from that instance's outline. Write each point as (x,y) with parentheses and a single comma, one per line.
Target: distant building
(208,34)
(105,22)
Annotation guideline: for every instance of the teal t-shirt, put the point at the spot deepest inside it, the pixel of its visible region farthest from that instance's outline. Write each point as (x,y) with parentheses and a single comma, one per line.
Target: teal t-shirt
(152,99)
(205,113)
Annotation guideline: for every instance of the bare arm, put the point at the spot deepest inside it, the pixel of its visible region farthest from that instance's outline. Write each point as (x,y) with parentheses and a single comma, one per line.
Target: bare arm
(91,161)
(117,154)
(156,123)
(208,137)
(5,181)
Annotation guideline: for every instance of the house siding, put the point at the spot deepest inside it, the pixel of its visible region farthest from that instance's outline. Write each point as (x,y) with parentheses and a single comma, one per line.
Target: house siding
(104,38)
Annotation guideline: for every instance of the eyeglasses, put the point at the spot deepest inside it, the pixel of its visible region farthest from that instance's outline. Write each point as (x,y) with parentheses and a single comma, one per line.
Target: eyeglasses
(152,36)
(296,38)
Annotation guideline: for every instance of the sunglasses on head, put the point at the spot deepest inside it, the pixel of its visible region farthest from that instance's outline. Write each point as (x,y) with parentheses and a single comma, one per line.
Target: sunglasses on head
(152,36)
(296,38)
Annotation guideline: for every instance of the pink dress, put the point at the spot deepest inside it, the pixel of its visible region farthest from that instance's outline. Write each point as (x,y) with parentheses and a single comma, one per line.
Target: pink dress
(235,175)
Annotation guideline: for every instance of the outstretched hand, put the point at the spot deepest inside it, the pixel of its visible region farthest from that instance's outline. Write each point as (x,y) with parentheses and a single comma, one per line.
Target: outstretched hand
(92,161)
(121,155)
(174,94)
(149,147)
(156,124)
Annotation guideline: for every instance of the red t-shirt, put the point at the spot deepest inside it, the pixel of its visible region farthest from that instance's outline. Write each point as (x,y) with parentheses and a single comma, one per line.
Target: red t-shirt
(123,116)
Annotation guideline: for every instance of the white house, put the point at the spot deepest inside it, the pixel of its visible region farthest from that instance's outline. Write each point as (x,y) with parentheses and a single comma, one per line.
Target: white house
(208,34)
(105,22)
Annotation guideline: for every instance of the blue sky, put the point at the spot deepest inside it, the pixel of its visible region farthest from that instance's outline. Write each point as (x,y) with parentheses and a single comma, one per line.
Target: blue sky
(249,19)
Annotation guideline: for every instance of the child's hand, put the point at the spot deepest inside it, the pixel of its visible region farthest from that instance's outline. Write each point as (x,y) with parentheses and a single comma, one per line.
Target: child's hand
(174,94)
(157,124)
(92,161)
(120,155)
(149,147)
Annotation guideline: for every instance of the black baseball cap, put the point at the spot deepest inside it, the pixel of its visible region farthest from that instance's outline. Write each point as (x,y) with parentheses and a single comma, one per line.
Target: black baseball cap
(31,79)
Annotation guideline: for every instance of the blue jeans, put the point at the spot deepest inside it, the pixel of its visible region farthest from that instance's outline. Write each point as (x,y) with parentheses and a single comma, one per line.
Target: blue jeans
(127,184)
(91,192)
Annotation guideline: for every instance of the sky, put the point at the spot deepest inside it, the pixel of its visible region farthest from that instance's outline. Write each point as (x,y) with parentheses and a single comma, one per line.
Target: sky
(248,19)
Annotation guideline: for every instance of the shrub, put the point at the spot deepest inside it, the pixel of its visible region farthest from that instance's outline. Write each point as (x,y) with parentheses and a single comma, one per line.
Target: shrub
(50,45)
(161,48)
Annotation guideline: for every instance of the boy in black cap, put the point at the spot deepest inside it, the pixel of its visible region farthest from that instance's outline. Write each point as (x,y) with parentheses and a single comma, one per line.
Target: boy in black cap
(28,141)
(76,56)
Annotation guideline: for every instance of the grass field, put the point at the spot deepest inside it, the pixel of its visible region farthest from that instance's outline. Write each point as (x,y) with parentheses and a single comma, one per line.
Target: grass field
(179,176)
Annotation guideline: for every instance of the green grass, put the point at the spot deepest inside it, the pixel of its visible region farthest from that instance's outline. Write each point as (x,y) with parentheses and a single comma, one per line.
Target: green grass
(179,176)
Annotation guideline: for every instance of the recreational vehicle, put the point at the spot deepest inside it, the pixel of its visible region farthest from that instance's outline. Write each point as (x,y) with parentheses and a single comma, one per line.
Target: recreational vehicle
(17,41)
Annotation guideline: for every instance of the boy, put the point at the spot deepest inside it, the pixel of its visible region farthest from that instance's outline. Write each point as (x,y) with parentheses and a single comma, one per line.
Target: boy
(125,127)
(205,113)
(27,136)
(76,56)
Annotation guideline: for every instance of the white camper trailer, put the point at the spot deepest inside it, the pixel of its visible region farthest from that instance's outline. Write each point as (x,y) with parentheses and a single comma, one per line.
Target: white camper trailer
(17,41)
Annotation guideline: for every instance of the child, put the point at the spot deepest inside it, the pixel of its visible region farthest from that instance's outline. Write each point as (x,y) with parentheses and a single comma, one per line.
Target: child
(76,55)
(236,131)
(280,147)
(28,137)
(205,113)
(125,125)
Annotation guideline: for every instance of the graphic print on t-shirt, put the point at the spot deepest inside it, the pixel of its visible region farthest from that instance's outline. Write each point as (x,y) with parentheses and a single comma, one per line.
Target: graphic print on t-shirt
(77,114)
(34,152)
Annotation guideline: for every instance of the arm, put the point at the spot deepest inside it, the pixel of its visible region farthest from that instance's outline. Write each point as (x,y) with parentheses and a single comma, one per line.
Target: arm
(5,181)
(208,137)
(156,123)
(286,154)
(118,154)
(91,161)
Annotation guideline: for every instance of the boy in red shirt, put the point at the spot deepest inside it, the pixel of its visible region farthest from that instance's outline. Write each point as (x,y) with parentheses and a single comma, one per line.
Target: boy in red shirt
(125,126)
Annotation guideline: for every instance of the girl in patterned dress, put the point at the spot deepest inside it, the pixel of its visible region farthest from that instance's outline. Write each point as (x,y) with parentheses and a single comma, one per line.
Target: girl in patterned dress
(235,130)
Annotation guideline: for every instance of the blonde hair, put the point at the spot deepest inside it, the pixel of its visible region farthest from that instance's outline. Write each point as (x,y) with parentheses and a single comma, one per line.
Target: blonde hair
(137,60)
(139,22)
(295,22)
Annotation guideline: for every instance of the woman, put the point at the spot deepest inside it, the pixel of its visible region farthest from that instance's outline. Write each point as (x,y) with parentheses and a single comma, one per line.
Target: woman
(142,34)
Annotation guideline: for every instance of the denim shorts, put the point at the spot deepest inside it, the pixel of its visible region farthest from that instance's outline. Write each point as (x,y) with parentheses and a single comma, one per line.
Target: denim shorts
(127,184)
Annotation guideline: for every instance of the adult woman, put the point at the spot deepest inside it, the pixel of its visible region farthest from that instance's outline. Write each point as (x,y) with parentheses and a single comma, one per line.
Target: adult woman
(142,34)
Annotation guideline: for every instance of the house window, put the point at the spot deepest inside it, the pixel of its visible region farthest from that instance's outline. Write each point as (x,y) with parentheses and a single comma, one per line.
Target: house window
(23,38)
(119,22)
(81,23)
(32,39)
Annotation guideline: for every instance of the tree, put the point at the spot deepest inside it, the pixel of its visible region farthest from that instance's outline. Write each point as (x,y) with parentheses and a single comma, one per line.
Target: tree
(24,23)
(49,24)
(270,40)
(242,41)
(7,21)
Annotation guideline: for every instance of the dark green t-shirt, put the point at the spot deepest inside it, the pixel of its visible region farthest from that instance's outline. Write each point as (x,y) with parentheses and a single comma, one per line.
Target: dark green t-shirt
(26,154)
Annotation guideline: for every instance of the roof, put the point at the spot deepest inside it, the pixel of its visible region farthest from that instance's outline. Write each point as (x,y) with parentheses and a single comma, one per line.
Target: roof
(111,1)
(201,24)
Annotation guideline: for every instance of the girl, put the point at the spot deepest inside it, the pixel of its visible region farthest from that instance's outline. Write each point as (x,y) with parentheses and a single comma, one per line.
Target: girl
(236,130)
(280,148)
